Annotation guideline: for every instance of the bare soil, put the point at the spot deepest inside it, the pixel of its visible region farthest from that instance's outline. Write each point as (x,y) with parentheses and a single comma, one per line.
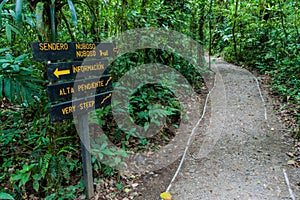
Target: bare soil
(239,151)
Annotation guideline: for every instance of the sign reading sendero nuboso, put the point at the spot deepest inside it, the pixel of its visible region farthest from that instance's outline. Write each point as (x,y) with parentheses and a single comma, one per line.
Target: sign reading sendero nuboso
(72,50)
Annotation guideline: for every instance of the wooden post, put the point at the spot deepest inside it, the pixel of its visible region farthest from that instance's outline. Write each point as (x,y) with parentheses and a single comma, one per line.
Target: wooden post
(86,154)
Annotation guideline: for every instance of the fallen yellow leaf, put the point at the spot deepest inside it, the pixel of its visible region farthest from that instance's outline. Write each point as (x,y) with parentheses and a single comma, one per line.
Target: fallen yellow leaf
(291,162)
(166,196)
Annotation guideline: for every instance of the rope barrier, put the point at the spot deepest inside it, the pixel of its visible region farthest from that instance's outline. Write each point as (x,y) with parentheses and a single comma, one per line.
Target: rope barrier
(190,137)
(196,126)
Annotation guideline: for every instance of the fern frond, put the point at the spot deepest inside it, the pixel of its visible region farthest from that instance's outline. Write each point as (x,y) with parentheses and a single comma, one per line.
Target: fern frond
(45,164)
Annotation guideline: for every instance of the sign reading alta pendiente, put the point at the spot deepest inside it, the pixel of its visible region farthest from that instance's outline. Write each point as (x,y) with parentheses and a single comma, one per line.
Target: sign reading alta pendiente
(61,91)
(72,50)
(78,69)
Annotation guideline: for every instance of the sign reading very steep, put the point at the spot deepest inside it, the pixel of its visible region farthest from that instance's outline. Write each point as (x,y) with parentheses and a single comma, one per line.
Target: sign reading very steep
(68,70)
(72,50)
(67,109)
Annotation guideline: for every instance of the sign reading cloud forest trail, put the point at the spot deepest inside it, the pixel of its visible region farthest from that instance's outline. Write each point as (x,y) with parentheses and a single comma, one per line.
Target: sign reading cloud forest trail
(72,50)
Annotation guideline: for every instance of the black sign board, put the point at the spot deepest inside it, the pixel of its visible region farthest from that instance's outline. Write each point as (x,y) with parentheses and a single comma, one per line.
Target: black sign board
(60,91)
(78,69)
(93,66)
(72,50)
(80,106)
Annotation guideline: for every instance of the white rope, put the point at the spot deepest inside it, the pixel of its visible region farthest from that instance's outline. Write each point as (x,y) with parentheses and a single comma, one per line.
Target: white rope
(196,126)
(189,140)
(261,96)
(288,184)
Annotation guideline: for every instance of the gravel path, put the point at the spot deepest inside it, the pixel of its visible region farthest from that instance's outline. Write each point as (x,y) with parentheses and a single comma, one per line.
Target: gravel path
(243,152)
(239,150)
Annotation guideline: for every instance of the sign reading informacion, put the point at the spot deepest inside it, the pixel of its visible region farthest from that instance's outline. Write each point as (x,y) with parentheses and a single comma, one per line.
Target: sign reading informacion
(60,91)
(80,106)
(72,50)
(78,69)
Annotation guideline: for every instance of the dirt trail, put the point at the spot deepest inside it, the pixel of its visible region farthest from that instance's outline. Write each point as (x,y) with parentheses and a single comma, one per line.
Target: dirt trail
(248,159)
(238,153)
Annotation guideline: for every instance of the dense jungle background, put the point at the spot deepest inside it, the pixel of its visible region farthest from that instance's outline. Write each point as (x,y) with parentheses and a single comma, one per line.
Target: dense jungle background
(40,159)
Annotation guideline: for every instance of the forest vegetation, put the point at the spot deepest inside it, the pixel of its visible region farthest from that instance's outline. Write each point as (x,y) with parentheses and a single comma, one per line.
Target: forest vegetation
(42,159)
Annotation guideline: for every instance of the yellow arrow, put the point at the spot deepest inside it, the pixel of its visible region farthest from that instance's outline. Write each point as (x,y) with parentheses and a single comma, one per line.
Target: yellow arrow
(62,72)
(103,100)
(108,81)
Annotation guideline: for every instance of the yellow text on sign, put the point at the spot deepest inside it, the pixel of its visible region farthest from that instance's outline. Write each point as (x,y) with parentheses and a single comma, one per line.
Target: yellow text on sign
(88,86)
(87,68)
(53,46)
(103,53)
(68,110)
(83,87)
(66,91)
(86,105)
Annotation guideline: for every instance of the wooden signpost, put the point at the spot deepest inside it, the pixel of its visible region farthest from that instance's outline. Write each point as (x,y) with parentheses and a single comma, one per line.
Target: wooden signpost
(88,89)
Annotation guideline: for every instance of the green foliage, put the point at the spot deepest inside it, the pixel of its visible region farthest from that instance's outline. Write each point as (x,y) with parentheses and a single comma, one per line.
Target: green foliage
(152,101)
(107,155)
(19,81)
(43,158)
(266,38)
(6,196)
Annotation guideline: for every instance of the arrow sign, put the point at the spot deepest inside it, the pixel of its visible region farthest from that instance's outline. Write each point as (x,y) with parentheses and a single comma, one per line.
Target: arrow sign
(58,73)
(60,91)
(78,69)
(72,50)
(66,110)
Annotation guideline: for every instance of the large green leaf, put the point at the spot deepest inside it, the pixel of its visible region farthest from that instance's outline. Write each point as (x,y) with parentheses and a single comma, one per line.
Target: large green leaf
(108,152)
(1,6)
(7,88)
(36,184)
(73,12)
(9,29)
(4,49)
(24,179)
(19,4)
(21,57)
(8,32)
(1,87)
(25,92)
(20,87)
(6,196)
(52,20)
(18,92)
(39,17)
